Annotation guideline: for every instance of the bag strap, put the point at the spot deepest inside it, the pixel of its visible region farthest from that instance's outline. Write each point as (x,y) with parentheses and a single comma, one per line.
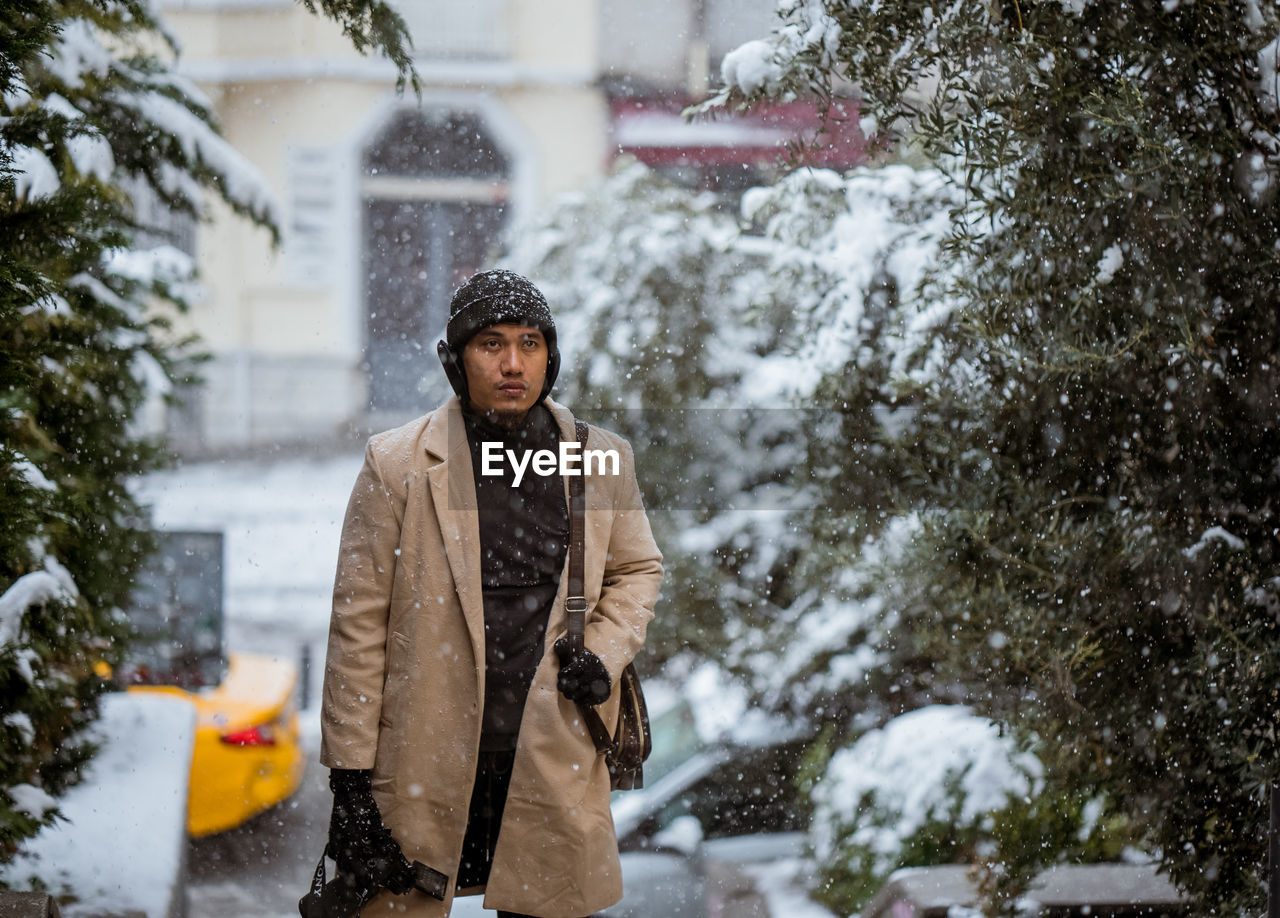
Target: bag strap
(575,603)
(318,879)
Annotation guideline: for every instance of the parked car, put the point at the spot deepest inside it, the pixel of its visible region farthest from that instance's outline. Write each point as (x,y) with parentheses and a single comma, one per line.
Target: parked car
(709,817)
(1066,891)
(247,756)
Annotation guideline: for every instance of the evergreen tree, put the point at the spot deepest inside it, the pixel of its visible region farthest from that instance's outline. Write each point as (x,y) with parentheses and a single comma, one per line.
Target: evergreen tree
(1090,452)
(91,115)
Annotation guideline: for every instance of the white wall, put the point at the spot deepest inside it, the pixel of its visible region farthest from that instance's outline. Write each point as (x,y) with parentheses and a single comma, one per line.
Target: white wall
(662,44)
(646,41)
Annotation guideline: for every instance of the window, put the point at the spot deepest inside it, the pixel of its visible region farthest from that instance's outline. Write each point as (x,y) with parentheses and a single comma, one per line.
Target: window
(434,187)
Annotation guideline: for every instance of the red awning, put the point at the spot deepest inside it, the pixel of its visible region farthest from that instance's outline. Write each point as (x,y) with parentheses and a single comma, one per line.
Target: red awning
(654,132)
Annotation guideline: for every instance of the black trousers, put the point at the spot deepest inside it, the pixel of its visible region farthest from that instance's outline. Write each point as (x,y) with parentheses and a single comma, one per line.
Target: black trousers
(484,819)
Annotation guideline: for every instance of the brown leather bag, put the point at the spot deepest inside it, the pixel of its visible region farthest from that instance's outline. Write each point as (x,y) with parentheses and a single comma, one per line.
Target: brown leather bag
(631,743)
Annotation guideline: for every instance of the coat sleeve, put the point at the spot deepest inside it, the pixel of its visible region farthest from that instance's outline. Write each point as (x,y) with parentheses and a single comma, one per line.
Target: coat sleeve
(355,664)
(632,575)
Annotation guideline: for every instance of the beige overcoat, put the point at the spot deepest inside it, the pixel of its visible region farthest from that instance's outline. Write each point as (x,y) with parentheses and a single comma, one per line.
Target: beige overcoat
(404,675)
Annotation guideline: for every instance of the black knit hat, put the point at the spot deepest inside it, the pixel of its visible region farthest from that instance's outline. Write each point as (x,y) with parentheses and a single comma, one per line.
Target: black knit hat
(491,298)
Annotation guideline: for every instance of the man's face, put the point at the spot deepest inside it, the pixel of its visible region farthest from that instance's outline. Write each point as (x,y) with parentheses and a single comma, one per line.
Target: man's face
(505,366)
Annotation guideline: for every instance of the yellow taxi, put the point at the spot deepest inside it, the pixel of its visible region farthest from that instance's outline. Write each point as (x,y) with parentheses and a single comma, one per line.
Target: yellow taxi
(248,756)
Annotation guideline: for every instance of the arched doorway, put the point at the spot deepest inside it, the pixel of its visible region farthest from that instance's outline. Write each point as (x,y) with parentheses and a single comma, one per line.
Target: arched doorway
(434,192)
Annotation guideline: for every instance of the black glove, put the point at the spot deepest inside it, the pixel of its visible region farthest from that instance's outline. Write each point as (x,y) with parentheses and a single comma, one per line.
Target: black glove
(358,841)
(583,678)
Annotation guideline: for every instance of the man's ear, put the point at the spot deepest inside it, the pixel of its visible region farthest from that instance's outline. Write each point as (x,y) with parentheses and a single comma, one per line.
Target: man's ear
(453,369)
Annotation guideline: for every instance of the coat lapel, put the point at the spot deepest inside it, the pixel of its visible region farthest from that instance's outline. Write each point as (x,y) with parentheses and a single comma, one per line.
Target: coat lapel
(453,494)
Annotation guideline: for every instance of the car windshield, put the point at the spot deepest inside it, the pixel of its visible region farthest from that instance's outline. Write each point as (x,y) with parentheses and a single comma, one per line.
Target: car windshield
(176,614)
(675,740)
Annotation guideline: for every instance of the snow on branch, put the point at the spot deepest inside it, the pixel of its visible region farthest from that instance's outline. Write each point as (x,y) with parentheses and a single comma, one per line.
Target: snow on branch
(765,66)
(893,781)
(31,800)
(163,264)
(1269,76)
(53,584)
(32,475)
(1210,536)
(752,67)
(77,54)
(182,185)
(34,175)
(103,294)
(243,184)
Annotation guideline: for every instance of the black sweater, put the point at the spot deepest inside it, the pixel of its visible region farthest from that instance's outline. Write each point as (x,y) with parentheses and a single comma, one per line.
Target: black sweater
(524,535)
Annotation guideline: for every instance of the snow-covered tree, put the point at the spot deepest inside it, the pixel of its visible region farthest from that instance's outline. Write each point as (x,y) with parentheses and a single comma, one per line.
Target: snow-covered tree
(717,332)
(659,327)
(778,552)
(1090,453)
(702,335)
(663,300)
(92,115)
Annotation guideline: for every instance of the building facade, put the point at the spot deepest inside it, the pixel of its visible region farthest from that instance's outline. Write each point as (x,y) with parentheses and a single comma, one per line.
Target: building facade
(388,201)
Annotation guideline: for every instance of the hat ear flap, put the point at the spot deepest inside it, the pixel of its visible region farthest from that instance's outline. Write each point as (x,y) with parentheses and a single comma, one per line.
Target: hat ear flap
(553,370)
(453,369)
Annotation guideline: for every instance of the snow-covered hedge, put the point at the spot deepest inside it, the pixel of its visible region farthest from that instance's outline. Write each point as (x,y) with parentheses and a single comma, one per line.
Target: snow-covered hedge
(923,789)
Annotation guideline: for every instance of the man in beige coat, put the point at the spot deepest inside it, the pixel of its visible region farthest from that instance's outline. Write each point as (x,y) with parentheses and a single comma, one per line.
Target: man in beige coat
(450,718)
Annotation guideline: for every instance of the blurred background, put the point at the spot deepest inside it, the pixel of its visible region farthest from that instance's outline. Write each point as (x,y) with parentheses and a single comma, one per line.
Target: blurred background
(944,335)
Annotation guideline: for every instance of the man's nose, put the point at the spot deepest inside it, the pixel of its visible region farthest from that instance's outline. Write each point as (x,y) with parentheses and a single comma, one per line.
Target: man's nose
(512,360)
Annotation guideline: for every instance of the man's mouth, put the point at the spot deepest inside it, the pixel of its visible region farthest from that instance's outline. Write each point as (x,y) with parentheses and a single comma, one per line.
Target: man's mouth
(512,388)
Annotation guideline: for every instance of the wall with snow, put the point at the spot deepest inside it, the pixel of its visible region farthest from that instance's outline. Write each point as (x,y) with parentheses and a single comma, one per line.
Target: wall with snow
(133,799)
